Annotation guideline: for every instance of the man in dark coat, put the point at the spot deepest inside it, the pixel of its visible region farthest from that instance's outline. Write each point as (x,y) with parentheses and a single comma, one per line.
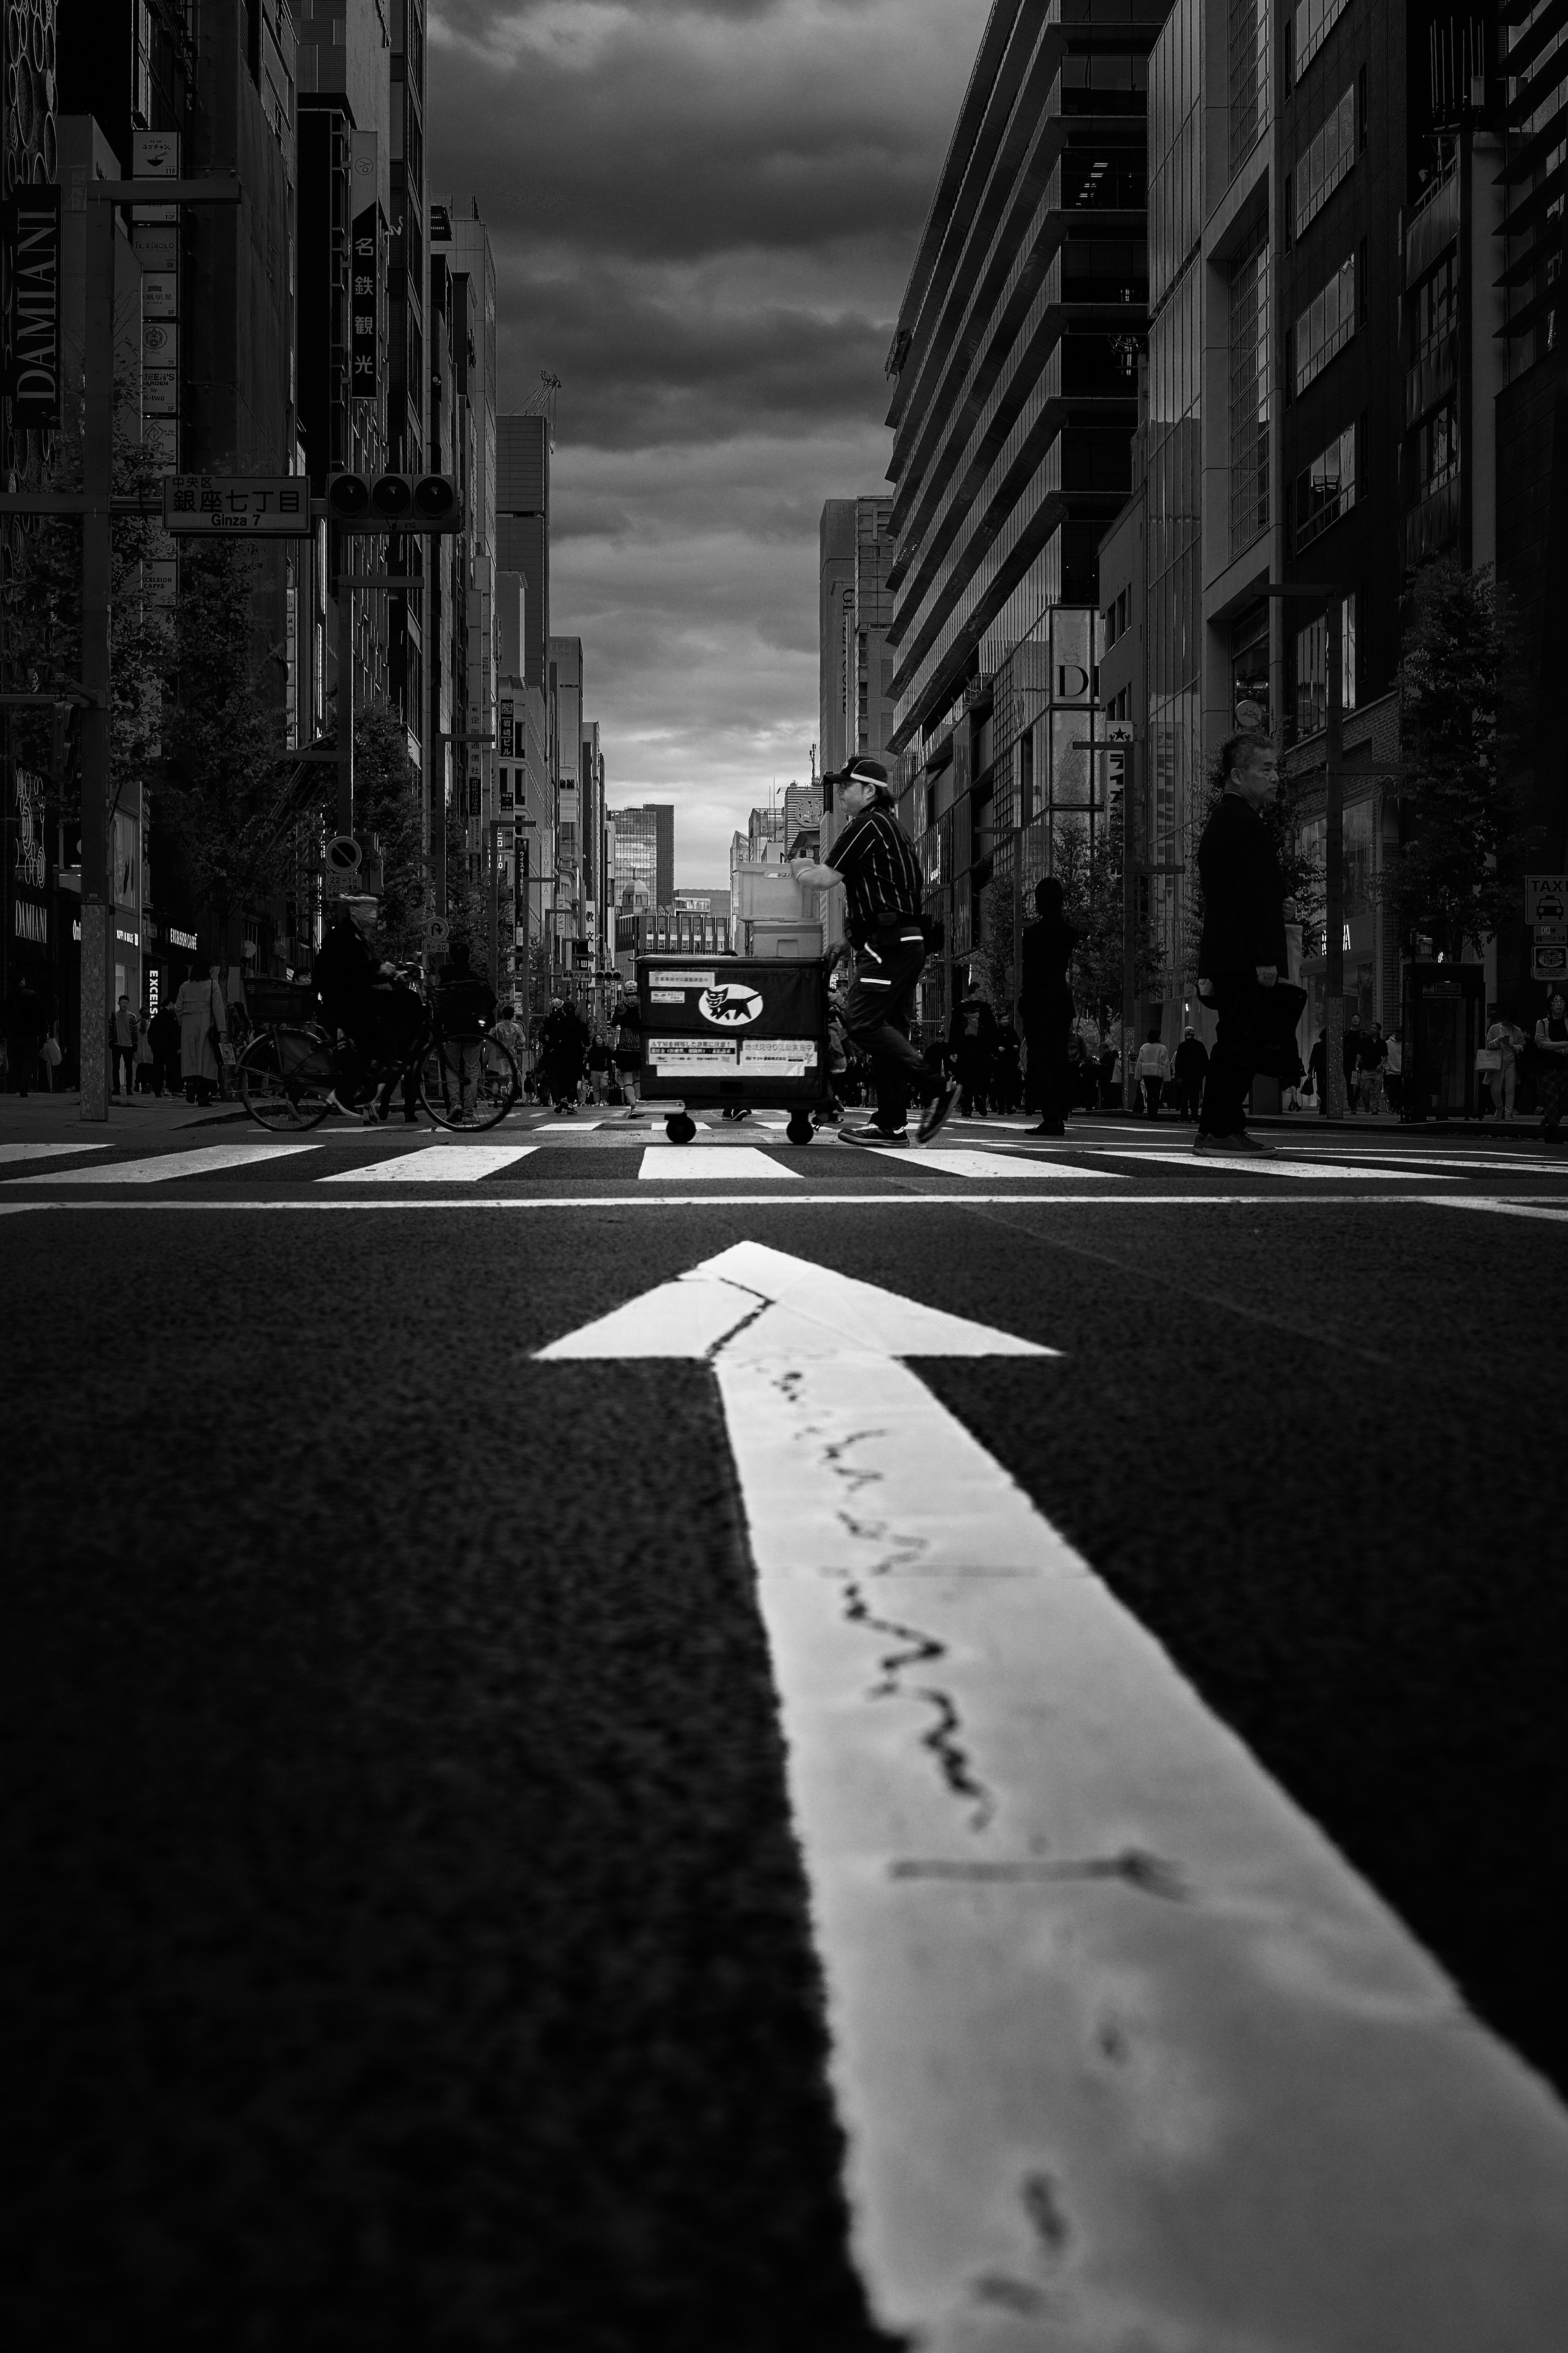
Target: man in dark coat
(564,1043)
(1045,1008)
(163,1037)
(24,1034)
(1242,952)
(1188,1066)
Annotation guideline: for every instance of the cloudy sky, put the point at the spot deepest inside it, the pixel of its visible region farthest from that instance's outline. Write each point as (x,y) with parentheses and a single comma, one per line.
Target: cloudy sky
(703,213)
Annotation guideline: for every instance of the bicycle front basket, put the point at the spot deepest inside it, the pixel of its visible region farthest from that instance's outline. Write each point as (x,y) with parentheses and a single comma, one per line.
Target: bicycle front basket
(280,1000)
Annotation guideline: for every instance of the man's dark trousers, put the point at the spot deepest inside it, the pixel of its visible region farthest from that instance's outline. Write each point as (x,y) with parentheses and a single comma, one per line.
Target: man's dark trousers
(877,1016)
(1235,1056)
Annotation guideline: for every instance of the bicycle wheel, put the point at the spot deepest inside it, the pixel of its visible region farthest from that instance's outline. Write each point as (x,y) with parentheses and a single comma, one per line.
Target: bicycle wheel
(469,1083)
(284,1079)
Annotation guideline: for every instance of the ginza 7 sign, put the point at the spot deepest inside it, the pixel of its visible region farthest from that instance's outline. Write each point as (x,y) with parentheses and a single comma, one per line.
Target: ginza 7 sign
(276,505)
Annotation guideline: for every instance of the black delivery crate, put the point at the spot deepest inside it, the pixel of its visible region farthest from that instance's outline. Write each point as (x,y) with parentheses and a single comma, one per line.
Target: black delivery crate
(734,1033)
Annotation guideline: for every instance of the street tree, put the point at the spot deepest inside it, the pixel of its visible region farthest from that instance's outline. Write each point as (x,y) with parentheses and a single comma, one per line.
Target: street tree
(387,804)
(40,615)
(224,737)
(1090,873)
(1454,875)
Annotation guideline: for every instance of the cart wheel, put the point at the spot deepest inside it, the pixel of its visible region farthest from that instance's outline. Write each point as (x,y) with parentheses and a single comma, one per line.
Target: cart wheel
(680,1128)
(802,1128)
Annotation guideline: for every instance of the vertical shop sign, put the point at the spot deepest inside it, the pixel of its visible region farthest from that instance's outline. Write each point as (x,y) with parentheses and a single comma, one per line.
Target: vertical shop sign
(363,338)
(32,239)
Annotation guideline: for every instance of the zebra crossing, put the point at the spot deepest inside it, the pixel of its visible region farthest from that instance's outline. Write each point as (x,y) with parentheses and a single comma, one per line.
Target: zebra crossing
(749,1153)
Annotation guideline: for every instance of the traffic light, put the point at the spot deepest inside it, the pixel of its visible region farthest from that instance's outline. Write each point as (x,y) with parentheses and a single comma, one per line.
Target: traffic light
(418,503)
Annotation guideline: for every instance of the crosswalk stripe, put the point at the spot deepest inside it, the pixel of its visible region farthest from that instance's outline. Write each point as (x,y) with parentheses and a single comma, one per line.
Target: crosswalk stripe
(681,1162)
(566,1126)
(14,1151)
(437,1164)
(209,1160)
(979,1164)
(1254,1167)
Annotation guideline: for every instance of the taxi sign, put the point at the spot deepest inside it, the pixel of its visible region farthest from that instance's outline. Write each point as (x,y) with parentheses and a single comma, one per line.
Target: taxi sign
(1546,898)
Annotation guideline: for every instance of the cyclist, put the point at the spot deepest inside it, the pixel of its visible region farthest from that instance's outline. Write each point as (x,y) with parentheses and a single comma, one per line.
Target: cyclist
(377,1013)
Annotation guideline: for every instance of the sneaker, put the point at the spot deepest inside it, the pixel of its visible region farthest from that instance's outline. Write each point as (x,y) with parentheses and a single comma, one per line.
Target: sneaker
(873,1135)
(937,1112)
(1231,1147)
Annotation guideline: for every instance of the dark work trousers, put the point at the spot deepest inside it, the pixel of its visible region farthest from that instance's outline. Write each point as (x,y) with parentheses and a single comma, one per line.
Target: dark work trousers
(877,1017)
(1047,1080)
(1192,1097)
(124,1059)
(1234,1058)
(1152,1091)
(166,1071)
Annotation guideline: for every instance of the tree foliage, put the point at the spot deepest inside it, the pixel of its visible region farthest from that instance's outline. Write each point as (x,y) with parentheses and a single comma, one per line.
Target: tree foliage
(224,737)
(387,804)
(42,614)
(1454,876)
(1090,876)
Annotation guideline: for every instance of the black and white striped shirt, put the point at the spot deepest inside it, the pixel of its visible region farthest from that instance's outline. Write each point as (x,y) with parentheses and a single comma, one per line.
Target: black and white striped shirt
(880,871)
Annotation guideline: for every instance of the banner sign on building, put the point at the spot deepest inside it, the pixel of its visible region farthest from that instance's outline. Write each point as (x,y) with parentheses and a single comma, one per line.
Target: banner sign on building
(363,339)
(32,373)
(506,729)
(275,506)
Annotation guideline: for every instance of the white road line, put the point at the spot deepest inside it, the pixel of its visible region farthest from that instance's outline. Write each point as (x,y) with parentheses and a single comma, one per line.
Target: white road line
(1245,1164)
(14,1152)
(267,1205)
(207,1160)
(1109,2013)
(1501,1209)
(675,1163)
(437,1164)
(567,1127)
(980,1164)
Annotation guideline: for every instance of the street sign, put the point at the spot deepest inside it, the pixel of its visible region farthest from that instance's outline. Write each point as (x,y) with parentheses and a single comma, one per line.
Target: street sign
(270,506)
(1552,934)
(1549,964)
(1545,898)
(438,931)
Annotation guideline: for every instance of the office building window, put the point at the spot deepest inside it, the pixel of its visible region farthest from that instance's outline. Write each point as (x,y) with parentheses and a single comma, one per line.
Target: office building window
(1249,395)
(1248,78)
(1310,24)
(1326,489)
(1326,325)
(1313,668)
(1438,449)
(1328,156)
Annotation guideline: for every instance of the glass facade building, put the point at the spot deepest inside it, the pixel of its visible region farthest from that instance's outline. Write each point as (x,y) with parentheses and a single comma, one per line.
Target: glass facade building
(1173,479)
(1016,355)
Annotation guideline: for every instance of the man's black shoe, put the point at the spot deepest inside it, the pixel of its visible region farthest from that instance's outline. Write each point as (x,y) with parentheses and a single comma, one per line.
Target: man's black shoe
(936,1112)
(873,1135)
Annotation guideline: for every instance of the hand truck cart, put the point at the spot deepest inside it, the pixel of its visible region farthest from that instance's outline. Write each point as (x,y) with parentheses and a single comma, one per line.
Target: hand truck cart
(734,1034)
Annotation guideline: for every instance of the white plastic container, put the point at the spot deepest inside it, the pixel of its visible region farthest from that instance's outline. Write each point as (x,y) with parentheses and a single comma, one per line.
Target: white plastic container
(770,894)
(775,942)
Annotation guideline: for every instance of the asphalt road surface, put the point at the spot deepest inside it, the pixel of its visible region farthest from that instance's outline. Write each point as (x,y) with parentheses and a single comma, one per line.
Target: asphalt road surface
(407,1942)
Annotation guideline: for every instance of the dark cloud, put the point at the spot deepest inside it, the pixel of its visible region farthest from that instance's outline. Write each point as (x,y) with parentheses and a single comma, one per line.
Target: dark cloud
(703,212)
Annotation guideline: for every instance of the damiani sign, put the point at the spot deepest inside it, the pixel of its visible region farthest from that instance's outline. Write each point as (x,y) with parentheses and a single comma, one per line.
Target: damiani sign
(32,240)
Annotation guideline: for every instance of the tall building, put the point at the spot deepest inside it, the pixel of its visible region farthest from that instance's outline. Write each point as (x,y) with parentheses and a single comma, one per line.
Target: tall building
(645,853)
(1014,361)
(522,526)
(855,667)
(1014,365)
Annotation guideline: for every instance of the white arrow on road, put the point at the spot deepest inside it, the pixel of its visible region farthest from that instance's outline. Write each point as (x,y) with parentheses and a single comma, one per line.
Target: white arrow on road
(1124,2049)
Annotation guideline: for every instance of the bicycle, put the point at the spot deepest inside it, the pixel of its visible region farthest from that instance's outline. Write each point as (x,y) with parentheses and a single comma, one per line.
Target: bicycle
(292,1066)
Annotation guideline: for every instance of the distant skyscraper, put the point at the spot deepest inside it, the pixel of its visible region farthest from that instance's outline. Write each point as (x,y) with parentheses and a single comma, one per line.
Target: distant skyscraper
(645,850)
(855,669)
(522,526)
